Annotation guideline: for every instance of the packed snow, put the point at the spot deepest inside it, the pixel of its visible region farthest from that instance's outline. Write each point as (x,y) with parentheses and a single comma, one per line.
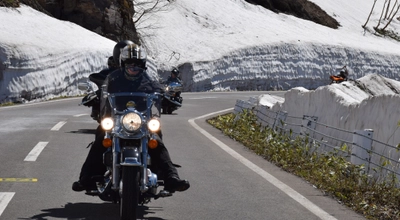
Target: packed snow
(44,57)
(224,45)
(234,45)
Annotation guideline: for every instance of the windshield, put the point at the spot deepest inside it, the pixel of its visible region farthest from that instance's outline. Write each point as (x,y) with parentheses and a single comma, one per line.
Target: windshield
(148,104)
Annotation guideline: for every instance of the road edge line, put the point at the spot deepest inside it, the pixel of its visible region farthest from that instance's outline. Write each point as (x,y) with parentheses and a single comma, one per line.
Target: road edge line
(264,174)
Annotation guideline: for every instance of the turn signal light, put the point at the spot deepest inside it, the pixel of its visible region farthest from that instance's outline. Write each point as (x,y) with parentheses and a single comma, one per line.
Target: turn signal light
(107,142)
(152,143)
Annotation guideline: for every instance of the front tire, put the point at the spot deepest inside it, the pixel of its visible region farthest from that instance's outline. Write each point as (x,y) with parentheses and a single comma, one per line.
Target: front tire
(130,193)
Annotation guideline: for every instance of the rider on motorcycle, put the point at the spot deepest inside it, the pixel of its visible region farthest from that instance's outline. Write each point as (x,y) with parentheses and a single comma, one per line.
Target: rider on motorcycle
(174,77)
(343,76)
(344,73)
(172,99)
(131,77)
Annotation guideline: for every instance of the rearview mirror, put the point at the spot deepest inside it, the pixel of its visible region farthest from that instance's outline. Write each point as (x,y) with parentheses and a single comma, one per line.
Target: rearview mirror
(83,86)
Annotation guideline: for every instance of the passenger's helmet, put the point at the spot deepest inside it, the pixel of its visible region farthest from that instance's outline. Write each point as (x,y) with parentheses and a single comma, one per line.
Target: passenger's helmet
(111,63)
(175,72)
(117,50)
(133,54)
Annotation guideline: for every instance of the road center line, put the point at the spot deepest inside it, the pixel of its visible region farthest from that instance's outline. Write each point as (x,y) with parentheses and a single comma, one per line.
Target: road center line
(5,198)
(267,176)
(58,125)
(203,98)
(24,180)
(33,155)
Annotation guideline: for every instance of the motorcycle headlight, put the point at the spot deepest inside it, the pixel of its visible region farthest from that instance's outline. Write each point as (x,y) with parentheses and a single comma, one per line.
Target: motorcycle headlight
(107,124)
(154,125)
(131,121)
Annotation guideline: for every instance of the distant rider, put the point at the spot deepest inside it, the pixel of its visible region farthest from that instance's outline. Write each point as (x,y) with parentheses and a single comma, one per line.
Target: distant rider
(174,77)
(344,73)
(343,76)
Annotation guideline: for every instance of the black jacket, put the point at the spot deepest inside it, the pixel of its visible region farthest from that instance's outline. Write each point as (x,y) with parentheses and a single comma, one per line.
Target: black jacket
(117,82)
(176,79)
(99,77)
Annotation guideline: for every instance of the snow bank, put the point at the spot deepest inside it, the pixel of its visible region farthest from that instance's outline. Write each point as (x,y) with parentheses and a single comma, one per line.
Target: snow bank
(44,57)
(285,66)
(370,102)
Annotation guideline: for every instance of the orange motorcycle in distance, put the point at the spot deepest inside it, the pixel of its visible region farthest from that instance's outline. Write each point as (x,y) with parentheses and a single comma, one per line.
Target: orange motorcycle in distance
(343,75)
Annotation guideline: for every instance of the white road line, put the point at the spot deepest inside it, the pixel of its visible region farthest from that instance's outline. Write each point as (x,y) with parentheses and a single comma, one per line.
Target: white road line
(79,115)
(267,176)
(33,155)
(37,103)
(5,198)
(203,98)
(58,125)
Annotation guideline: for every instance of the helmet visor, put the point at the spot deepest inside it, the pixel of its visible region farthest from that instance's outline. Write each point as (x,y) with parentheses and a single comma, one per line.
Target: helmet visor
(132,52)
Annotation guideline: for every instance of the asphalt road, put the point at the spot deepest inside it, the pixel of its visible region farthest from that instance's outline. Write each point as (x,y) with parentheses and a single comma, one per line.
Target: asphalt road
(43,146)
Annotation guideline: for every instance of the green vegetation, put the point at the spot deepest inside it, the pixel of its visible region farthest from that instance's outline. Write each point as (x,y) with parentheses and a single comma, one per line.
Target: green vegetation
(331,173)
(55,98)
(6,104)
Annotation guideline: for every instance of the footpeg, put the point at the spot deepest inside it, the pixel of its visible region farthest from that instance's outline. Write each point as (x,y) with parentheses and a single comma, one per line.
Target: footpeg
(160,182)
(92,192)
(162,194)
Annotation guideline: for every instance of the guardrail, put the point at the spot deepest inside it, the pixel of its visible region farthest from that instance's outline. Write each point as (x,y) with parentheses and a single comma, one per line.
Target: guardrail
(358,146)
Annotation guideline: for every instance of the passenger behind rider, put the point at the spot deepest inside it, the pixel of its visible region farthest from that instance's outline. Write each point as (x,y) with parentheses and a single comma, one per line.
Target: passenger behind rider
(98,79)
(131,77)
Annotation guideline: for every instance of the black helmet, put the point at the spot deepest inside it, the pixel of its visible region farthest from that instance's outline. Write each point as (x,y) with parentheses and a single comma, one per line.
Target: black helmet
(133,54)
(175,71)
(111,63)
(117,50)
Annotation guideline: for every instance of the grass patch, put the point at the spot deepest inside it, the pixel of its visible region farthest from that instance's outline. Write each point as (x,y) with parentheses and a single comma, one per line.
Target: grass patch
(39,100)
(331,173)
(7,104)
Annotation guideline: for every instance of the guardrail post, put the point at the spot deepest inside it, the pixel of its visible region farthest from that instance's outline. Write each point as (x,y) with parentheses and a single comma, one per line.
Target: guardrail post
(280,118)
(261,110)
(240,105)
(362,145)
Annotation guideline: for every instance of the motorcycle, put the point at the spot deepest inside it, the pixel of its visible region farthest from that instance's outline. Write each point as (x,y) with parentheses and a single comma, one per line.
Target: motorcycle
(129,132)
(341,77)
(172,99)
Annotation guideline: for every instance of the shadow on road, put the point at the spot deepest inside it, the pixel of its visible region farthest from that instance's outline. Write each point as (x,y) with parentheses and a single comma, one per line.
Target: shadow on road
(90,211)
(84,131)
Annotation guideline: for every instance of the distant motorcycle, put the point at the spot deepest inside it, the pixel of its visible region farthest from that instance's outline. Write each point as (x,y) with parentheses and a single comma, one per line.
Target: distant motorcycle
(172,99)
(129,132)
(343,74)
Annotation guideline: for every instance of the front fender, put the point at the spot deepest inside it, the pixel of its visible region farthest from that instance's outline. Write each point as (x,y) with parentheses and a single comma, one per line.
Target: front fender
(130,156)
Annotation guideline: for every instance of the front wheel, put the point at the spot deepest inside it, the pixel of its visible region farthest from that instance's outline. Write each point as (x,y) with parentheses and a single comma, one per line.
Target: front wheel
(129,193)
